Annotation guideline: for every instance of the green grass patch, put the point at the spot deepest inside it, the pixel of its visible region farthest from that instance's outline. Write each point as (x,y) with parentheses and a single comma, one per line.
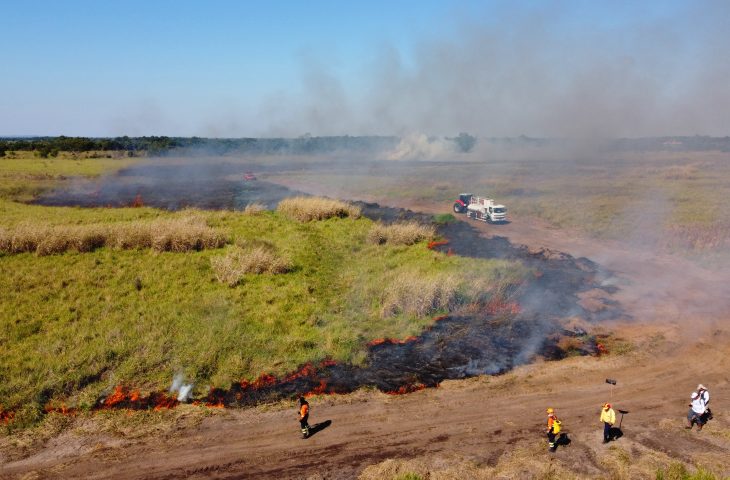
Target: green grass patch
(24,176)
(75,324)
(443,218)
(678,471)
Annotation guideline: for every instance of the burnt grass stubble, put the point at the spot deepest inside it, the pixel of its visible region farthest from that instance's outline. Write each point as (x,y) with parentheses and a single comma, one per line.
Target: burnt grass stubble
(457,346)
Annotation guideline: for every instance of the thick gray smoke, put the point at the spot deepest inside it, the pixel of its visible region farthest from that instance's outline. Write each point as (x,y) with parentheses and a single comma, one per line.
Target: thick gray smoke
(537,71)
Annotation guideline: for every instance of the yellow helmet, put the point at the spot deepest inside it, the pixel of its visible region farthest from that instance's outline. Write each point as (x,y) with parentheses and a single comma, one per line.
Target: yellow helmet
(550,410)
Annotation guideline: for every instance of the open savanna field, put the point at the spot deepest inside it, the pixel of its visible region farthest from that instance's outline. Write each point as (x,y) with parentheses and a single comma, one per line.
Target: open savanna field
(95,298)
(671,201)
(97,302)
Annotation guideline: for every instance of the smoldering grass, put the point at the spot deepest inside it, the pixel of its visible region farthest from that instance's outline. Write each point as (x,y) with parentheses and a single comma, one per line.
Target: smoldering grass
(406,233)
(235,265)
(305,209)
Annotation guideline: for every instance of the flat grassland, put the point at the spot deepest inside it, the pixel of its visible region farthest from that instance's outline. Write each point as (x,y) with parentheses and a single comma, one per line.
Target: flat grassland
(73,325)
(670,201)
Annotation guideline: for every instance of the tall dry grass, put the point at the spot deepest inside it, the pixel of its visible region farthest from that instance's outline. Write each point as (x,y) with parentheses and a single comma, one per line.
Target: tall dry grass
(181,234)
(415,295)
(232,267)
(305,209)
(254,208)
(400,233)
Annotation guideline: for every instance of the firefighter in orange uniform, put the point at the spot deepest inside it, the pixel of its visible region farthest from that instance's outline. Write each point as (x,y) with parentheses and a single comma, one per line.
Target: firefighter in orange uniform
(553,427)
(304,416)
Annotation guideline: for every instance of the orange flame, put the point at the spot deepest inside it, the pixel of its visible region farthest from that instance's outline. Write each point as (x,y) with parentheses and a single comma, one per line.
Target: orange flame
(115,398)
(6,416)
(497,306)
(318,390)
(436,243)
(408,388)
(392,341)
(63,409)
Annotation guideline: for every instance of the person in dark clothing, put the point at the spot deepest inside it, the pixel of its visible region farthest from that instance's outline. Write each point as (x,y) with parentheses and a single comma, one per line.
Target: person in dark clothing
(304,416)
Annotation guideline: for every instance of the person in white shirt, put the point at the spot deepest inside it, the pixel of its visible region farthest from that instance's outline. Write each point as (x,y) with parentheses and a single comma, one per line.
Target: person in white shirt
(696,409)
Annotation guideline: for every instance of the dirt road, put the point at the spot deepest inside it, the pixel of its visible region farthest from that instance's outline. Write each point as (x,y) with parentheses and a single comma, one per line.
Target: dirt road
(492,424)
(480,420)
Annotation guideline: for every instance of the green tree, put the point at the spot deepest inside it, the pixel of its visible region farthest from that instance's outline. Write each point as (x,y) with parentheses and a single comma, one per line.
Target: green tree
(465,142)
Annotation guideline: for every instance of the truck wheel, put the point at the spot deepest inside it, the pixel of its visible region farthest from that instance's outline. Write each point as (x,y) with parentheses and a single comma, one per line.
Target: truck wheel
(458,208)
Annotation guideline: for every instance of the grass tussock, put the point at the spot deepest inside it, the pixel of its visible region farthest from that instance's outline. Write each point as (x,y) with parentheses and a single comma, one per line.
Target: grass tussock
(413,294)
(232,267)
(400,233)
(254,208)
(305,209)
(184,234)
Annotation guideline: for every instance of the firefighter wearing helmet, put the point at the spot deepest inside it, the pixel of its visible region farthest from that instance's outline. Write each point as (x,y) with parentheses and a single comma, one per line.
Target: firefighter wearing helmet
(608,418)
(553,428)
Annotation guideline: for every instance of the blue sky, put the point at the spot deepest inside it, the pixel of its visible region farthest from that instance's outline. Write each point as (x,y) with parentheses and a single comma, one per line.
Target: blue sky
(225,68)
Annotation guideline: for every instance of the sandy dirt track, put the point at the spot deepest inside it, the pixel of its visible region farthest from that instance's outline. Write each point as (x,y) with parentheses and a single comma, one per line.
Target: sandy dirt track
(679,328)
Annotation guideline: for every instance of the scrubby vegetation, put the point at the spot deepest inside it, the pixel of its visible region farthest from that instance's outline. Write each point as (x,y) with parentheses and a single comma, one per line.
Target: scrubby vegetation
(413,294)
(236,264)
(179,234)
(306,209)
(400,233)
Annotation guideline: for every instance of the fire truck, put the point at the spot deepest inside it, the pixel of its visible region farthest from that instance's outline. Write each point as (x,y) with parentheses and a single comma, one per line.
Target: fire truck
(480,208)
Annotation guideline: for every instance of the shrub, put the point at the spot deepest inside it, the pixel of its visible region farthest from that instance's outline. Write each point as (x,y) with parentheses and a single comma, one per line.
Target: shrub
(55,241)
(133,235)
(25,238)
(400,233)
(170,235)
(416,295)
(183,235)
(444,218)
(231,268)
(88,239)
(305,209)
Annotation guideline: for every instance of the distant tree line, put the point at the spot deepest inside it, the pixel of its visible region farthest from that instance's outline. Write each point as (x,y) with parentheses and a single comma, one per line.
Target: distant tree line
(51,146)
(307,144)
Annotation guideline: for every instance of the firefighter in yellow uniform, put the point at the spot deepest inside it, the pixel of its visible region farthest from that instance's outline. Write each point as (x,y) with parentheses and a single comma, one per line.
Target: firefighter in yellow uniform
(608,417)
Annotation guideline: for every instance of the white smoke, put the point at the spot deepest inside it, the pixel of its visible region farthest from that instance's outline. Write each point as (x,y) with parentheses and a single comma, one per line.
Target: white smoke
(184,390)
(418,146)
